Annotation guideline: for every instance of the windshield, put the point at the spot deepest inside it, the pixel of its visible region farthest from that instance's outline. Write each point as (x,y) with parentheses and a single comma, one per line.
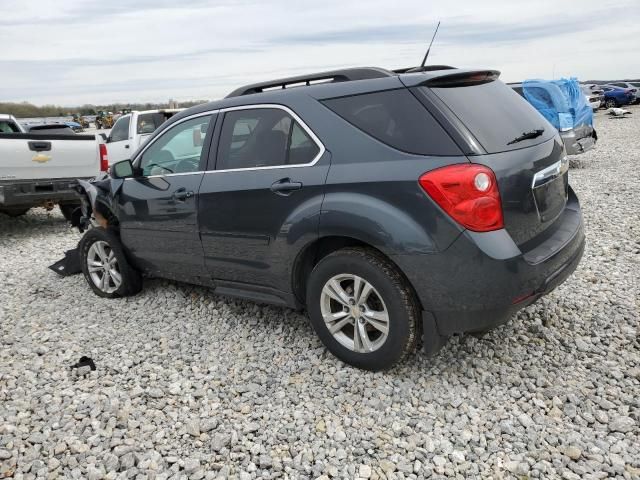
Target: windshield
(496,115)
(148,122)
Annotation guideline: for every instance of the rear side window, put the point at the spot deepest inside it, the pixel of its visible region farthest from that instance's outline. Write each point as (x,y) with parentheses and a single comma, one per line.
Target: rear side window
(396,118)
(495,115)
(149,122)
(263,137)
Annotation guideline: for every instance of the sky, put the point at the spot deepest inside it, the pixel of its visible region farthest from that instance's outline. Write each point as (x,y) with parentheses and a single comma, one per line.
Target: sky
(90,51)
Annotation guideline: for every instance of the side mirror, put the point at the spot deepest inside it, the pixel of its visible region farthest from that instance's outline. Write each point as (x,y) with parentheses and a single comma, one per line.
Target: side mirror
(122,169)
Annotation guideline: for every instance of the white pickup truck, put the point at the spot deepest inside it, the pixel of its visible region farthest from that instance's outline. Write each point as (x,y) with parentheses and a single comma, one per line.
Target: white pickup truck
(132,130)
(41,169)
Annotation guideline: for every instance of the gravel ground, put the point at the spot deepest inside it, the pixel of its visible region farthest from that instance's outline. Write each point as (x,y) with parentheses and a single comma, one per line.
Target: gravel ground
(190,385)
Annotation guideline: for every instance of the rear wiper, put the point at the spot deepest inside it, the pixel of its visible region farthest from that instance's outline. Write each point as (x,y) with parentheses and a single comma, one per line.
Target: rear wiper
(527,136)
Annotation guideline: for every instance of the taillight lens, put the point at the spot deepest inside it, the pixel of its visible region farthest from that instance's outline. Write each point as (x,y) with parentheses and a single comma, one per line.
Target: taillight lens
(104,158)
(468,193)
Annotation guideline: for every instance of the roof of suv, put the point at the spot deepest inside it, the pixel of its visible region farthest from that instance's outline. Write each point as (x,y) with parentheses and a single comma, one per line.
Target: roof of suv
(333,83)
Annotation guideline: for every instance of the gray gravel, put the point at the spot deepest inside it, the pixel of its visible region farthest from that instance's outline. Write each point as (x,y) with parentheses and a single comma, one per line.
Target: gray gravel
(190,385)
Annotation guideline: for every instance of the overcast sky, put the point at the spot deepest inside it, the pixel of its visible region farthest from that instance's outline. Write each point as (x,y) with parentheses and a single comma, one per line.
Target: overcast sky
(96,51)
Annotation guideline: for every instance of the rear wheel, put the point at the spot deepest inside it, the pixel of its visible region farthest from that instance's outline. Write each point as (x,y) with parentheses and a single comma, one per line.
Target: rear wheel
(362,309)
(105,266)
(15,211)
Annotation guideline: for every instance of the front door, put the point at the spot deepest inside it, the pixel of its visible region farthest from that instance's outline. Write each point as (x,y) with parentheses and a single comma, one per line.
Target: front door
(263,199)
(157,209)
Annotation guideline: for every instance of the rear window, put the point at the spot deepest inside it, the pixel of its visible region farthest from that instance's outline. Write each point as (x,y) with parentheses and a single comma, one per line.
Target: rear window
(495,115)
(396,118)
(149,122)
(8,127)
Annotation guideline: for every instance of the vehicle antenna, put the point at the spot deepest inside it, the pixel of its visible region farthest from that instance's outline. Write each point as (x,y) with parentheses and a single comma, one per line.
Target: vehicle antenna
(426,55)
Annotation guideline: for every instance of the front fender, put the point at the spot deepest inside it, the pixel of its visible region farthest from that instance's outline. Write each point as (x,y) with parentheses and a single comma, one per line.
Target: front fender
(97,202)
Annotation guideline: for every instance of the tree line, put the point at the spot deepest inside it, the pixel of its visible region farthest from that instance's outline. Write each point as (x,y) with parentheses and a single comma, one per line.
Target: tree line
(28,110)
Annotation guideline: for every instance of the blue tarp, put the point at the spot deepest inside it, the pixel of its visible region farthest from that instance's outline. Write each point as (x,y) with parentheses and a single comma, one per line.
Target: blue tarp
(559,101)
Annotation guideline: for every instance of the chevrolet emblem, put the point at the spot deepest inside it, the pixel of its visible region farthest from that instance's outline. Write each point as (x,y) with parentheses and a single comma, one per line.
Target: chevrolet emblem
(41,158)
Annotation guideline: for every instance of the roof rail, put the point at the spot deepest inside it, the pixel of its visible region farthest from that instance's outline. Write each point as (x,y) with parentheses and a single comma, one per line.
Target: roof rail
(345,75)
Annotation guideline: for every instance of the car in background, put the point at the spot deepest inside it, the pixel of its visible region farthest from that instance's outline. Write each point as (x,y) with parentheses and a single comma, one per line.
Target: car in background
(595,96)
(131,130)
(633,86)
(617,97)
(553,103)
(50,129)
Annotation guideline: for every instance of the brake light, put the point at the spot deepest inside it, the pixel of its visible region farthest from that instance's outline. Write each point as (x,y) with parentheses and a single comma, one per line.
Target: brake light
(467,193)
(104,158)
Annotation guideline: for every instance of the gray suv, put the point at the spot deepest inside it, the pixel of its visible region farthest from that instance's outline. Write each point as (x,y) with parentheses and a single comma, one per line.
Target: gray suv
(397,208)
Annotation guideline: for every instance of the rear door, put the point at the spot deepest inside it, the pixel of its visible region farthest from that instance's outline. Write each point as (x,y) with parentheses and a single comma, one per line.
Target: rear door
(119,142)
(157,208)
(263,200)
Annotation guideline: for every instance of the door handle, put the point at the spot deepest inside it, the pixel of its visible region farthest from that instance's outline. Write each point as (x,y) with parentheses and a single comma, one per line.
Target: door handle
(285,186)
(182,194)
(126,146)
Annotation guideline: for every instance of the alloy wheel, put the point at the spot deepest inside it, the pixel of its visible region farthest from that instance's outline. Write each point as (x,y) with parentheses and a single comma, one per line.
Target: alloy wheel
(103,267)
(354,313)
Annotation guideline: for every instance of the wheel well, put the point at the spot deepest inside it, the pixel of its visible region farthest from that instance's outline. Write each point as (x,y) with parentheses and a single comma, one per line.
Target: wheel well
(316,251)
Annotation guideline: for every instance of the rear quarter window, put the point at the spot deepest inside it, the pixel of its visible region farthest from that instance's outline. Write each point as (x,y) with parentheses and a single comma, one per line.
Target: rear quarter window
(396,118)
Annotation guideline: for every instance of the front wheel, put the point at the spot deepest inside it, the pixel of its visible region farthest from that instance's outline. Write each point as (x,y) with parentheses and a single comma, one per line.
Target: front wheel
(610,103)
(362,309)
(105,266)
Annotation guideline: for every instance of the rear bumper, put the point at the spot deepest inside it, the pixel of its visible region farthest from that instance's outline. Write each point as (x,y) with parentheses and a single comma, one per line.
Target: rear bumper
(578,140)
(483,279)
(31,193)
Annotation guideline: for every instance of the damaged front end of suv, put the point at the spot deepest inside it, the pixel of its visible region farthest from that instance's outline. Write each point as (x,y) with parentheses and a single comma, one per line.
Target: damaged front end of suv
(96,210)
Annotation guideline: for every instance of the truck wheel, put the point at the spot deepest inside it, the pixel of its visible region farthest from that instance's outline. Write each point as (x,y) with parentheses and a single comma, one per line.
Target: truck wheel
(362,309)
(67,210)
(105,266)
(15,212)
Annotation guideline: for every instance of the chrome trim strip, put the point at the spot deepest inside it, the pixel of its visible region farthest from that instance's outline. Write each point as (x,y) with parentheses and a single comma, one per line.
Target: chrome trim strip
(549,173)
(295,116)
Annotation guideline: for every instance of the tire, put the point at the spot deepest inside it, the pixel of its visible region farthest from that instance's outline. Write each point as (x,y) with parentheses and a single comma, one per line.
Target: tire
(67,210)
(100,246)
(15,211)
(388,293)
(610,103)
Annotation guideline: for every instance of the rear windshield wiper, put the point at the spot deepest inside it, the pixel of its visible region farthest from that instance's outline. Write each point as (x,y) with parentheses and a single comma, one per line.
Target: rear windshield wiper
(527,136)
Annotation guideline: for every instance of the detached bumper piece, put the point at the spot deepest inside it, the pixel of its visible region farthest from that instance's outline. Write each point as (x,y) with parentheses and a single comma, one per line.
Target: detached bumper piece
(69,265)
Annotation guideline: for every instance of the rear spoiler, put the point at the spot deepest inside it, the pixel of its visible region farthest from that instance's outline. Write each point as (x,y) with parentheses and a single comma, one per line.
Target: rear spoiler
(462,79)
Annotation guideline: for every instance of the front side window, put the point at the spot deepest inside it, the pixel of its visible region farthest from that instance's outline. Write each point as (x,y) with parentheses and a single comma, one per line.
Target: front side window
(120,130)
(263,137)
(177,150)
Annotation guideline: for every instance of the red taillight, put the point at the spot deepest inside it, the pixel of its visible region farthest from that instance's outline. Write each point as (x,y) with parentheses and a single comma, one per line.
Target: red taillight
(468,193)
(104,158)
